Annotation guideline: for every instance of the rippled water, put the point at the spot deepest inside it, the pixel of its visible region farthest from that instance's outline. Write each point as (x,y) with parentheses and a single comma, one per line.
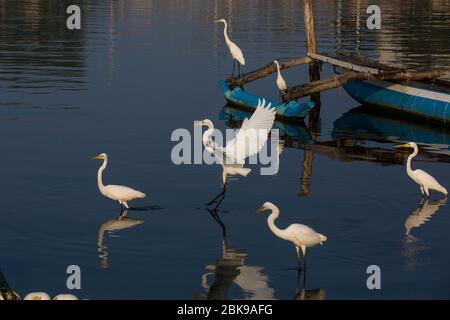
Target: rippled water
(139,69)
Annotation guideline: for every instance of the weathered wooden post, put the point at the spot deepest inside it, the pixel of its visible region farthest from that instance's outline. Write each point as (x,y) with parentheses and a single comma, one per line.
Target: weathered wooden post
(314,116)
(314,72)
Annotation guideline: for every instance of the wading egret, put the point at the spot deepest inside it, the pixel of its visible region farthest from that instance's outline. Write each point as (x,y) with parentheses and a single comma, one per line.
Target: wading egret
(248,141)
(235,51)
(300,235)
(281,84)
(423,179)
(114,192)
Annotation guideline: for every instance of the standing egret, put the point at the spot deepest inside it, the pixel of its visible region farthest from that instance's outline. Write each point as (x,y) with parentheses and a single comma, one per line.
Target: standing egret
(235,51)
(300,235)
(115,192)
(281,84)
(423,179)
(248,141)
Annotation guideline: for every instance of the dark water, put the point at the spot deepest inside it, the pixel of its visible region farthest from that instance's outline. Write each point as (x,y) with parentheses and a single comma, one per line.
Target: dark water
(140,69)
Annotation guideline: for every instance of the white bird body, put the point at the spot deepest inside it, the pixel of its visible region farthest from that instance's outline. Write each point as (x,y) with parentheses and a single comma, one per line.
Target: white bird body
(281,84)
(300,235)
(425,181)
(115,192)
(248,141)
(65,297)
(37,296)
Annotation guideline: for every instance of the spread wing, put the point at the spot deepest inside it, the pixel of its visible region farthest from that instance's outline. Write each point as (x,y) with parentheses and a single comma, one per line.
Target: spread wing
(253,134)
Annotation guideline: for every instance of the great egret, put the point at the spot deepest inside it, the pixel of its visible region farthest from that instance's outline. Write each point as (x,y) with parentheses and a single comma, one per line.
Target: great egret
(300,235)
(115,192)
(248,141)
(423,179)
(235,51)
(281,84)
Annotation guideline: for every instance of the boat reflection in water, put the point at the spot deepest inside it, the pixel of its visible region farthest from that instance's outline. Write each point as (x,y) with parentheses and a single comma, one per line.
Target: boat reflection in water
(230,269)
(111,226)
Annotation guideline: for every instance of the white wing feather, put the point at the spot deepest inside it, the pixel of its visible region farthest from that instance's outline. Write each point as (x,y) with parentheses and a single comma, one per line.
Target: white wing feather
(252,136)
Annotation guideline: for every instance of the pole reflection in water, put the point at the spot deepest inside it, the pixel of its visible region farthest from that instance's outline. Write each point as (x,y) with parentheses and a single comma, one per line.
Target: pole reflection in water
(230,269)
(111,226)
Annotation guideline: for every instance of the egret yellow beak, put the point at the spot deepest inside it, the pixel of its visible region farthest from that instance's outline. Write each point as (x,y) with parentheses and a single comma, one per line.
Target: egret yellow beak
(260,210)
(96,157)
(198,123)
(405,145)
(218,20)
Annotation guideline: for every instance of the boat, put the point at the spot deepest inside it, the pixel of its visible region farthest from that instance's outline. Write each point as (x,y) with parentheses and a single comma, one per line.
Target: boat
(290,110)
(428,101)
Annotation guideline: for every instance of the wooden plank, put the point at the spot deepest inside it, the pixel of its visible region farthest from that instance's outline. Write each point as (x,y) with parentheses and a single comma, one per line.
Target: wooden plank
(343,64)
(341,79)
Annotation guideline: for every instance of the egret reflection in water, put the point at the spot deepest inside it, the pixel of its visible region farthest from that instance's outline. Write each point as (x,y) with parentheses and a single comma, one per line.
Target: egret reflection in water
(230,269)
(111,227)
(413,245)
(422,215)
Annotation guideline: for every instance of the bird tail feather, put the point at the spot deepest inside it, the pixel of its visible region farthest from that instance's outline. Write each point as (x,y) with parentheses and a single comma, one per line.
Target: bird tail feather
(322,238)
(442,190)
(244,171)
(141,195)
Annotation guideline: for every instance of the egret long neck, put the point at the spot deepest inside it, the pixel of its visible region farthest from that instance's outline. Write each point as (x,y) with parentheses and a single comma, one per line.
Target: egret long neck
(408,162)
(100,174)
(278,69)
(271,222)
(207,134)
(225,33)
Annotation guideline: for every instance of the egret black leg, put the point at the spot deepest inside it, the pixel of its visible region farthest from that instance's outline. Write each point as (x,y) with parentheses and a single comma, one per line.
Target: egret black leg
(234,66)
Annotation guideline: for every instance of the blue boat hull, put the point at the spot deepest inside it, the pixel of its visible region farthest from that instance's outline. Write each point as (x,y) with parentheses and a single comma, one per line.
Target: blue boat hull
(408,99)
(288,110)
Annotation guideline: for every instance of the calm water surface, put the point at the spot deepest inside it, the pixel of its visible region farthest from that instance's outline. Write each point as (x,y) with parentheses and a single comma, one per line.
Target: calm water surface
(140,69)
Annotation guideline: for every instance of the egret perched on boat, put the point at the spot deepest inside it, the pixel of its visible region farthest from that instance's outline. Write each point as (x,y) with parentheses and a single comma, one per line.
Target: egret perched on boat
(423,179)
(248,141)
(235,51)
(281,84)
(115,192)
(300,235)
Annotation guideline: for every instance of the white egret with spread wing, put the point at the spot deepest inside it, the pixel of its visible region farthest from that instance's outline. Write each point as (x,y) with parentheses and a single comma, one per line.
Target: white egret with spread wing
(425,181)
(235,51)
(119,193)
(248,141)
(300,235)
